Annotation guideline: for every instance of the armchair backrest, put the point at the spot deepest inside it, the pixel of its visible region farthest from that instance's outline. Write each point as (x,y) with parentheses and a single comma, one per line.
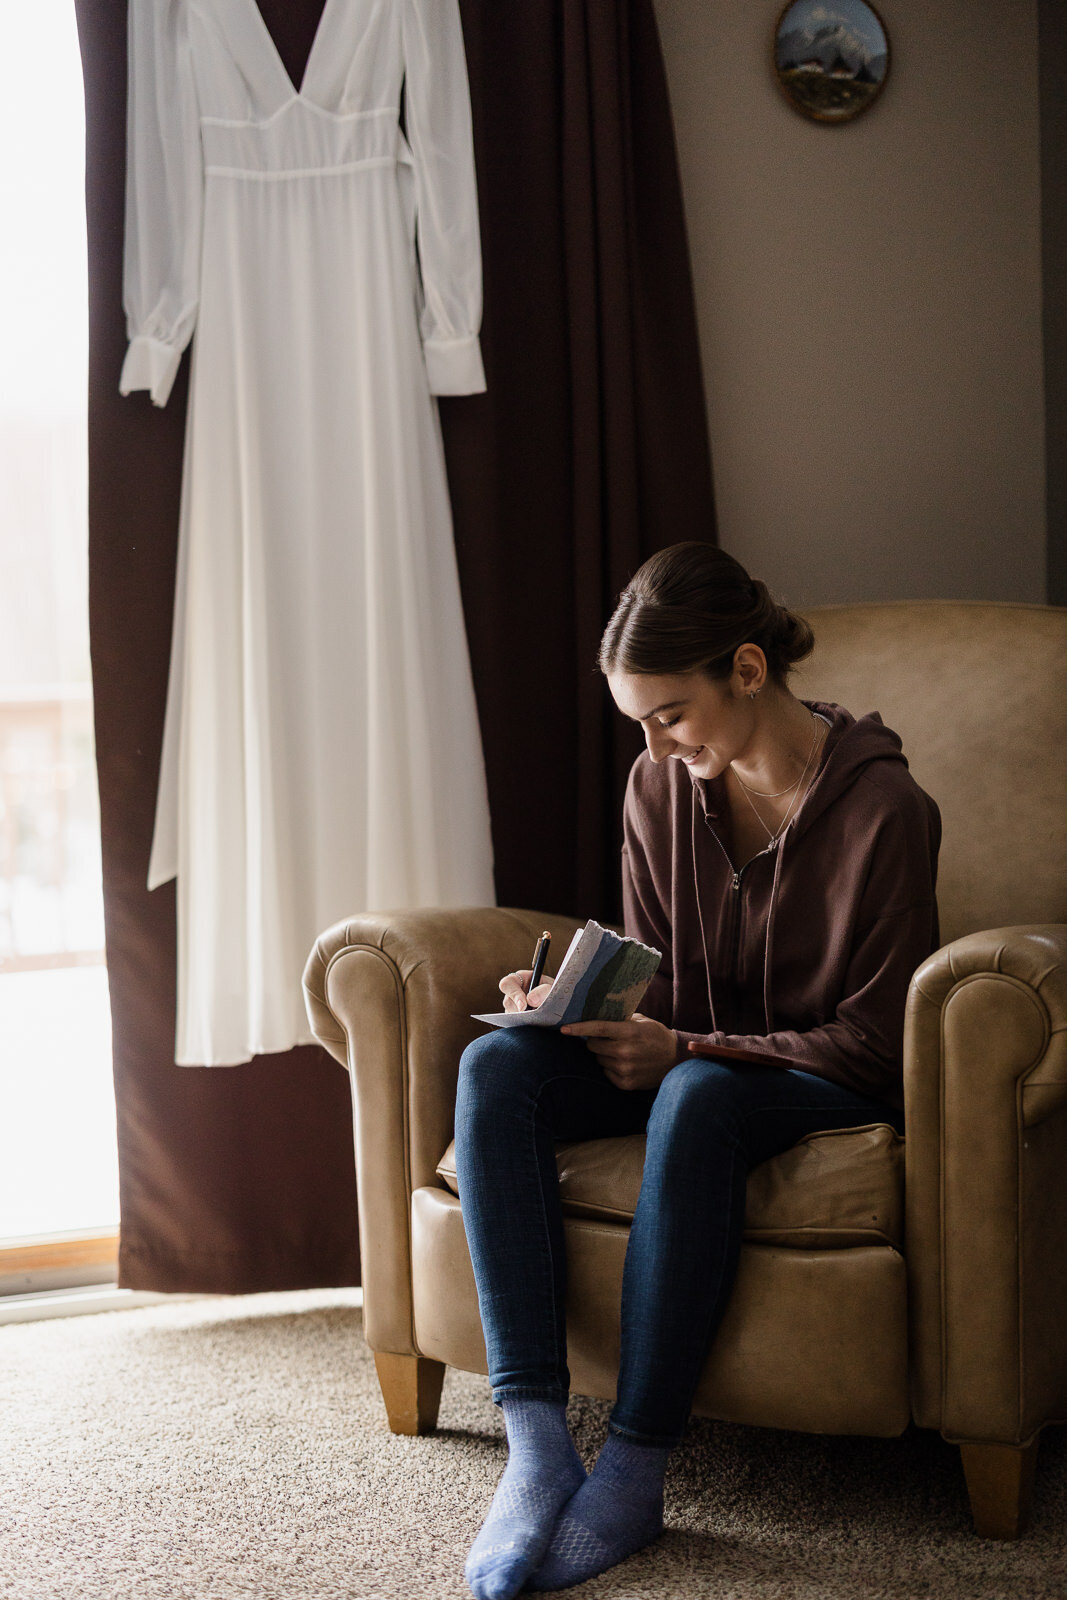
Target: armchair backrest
(977,691)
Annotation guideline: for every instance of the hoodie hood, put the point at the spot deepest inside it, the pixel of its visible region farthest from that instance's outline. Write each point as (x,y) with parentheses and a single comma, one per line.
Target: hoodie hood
(852,746)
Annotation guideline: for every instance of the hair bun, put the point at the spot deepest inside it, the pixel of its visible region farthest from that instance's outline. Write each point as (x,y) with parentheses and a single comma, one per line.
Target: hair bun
(793,636)
(689,607)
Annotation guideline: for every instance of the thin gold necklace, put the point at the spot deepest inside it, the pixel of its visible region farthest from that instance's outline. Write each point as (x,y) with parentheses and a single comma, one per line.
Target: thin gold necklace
(779,792)
(774,837)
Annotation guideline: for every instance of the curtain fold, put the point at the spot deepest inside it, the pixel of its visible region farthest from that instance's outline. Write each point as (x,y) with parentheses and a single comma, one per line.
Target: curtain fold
(589,449)
(587,452)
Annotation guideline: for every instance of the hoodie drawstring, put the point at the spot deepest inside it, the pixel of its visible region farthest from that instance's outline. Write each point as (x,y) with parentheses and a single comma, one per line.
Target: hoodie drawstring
(768,944)
(700,913)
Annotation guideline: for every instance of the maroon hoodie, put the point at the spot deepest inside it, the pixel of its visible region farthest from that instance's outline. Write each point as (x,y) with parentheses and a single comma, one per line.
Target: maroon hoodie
(808,950)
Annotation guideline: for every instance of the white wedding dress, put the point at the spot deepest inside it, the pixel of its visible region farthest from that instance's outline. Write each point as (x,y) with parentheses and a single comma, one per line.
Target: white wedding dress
(321,752)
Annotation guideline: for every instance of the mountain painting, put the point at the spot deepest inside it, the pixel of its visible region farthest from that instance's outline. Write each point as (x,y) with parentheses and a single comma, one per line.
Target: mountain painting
(831,57)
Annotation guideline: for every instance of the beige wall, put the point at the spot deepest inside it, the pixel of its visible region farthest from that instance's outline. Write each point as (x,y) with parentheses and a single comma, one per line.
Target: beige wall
(869,298)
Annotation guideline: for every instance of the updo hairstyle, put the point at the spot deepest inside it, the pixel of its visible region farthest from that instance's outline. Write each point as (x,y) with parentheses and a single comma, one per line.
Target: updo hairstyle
(687,610)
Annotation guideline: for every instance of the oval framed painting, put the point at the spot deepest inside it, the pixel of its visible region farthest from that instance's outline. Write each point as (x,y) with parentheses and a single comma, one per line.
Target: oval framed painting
(831,57)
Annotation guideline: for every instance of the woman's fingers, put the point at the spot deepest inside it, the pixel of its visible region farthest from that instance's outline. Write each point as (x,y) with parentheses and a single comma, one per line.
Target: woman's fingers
(610,1060)
(513,987)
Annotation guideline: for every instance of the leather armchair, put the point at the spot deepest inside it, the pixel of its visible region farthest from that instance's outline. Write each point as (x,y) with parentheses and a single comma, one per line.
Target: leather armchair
(882,1280)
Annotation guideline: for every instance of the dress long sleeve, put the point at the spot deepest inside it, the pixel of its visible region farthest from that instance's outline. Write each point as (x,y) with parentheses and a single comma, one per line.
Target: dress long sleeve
(438,117)
(164,197)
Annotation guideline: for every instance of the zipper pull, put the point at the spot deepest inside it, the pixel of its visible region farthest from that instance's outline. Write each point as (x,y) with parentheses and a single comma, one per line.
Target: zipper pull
(737,880)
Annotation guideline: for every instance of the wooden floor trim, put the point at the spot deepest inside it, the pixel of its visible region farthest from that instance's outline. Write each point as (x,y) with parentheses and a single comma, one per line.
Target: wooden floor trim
(56,1254)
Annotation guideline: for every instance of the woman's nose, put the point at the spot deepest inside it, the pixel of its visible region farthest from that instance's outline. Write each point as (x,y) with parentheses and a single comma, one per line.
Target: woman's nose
(658,743)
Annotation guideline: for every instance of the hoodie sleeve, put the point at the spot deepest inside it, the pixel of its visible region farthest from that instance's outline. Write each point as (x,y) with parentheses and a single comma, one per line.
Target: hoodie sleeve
(644,918)
(646,905)
(862,1046)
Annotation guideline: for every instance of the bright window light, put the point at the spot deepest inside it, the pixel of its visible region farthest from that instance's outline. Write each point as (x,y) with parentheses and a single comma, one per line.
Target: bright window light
(57,1111)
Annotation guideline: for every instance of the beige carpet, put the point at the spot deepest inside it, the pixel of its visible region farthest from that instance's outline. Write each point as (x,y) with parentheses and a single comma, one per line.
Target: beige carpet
(237,1447)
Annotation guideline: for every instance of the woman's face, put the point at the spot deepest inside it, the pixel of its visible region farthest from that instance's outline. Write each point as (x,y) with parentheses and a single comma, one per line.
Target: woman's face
(688,717)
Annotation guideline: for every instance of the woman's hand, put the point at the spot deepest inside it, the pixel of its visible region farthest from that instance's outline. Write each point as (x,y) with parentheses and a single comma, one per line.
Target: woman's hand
(634,1055)
(513,988)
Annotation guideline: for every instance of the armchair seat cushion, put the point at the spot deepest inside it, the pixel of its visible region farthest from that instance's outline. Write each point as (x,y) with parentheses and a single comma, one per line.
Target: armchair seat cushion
(833,1190)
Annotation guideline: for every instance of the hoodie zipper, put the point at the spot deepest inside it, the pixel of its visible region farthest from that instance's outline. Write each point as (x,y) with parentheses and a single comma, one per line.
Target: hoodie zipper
(735,944)
(737,875)
(735,941)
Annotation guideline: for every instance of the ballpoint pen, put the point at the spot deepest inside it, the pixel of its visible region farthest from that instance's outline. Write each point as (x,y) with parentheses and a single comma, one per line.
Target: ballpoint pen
(540,957)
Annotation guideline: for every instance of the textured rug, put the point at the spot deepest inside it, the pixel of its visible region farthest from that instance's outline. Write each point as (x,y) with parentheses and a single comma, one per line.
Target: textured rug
(224,1448)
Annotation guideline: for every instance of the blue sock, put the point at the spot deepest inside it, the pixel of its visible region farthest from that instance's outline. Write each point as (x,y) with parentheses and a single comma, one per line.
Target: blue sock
(543,1472)
(619,1509)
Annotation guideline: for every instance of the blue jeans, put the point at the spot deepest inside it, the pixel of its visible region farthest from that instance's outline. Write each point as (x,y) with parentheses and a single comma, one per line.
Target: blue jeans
(706,1126)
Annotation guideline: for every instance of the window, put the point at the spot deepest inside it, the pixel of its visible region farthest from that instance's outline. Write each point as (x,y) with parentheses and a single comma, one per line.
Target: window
(58,1172)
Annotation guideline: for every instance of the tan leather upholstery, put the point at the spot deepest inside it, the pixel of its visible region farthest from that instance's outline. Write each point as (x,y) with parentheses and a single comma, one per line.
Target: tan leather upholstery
(986,1107)
(814,1340)
(835,1324)
(833,1189)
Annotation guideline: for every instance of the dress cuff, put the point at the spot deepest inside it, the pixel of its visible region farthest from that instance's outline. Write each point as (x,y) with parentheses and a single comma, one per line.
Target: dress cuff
(150,365)
(454,366)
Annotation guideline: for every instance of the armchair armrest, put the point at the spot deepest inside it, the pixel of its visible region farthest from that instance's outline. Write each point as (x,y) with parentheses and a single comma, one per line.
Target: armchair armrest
(985,1091)
(390,996)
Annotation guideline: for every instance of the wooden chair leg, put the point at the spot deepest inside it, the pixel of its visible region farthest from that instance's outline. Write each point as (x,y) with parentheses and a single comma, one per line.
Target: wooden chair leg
(411,1389)
(1000,1480)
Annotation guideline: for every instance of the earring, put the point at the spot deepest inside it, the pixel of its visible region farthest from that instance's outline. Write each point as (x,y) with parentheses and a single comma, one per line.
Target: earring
(752,693)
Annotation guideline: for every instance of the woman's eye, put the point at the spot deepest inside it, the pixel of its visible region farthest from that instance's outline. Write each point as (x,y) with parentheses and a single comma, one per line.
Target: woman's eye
(669,722)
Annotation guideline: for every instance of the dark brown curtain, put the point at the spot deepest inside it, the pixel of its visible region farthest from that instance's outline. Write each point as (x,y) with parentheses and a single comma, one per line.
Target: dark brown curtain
(587,452)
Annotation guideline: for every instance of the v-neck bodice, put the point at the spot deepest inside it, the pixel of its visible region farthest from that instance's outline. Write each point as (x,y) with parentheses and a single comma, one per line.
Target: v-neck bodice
(292,30)
(307,77)
(355,63)
(254,124)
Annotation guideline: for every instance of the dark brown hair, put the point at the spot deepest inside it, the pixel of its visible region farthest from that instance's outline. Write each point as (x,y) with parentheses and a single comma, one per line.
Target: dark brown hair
(687,610)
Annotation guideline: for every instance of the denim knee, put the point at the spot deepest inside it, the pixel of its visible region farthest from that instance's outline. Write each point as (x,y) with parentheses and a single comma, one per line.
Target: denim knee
(501,1057)
(479,1071)
(697,1095)
(479,1054)
(496,1070)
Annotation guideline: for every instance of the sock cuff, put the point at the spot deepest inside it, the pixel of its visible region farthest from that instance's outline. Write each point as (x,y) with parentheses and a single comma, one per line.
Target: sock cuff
(629,1462)
(527,1420)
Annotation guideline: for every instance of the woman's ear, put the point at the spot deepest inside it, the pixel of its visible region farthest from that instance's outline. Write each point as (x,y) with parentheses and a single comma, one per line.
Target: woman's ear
(750,670)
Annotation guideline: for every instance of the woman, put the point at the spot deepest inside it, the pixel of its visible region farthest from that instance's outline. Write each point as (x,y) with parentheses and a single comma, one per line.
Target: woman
(781,856)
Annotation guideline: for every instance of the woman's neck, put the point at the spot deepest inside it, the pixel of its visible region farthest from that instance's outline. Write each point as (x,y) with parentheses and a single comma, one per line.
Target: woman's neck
(786,739)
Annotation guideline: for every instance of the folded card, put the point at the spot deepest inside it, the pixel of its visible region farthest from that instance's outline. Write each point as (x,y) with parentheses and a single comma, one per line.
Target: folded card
(602,978)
